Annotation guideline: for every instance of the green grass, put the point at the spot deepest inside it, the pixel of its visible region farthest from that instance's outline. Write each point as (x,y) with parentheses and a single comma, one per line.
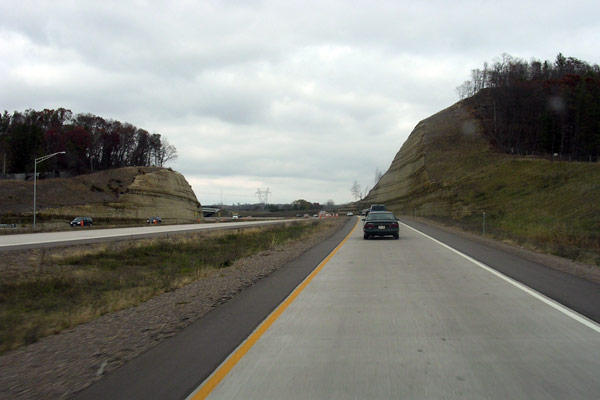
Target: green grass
(70,290)
(553,207)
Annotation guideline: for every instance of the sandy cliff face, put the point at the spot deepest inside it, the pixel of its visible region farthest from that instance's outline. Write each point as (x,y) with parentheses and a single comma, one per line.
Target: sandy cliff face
(125,193)
(447,170)
(164,193)
(406,172)
(424,164)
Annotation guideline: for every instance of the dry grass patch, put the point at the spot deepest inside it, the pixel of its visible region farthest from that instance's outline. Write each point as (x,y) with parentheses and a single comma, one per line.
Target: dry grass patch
(62,289)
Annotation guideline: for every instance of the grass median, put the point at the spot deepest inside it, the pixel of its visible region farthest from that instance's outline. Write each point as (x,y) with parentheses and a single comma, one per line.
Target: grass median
(73,287)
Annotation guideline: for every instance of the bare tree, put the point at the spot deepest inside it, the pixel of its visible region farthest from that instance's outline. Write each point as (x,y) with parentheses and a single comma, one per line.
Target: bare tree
(167,152)
(355,190)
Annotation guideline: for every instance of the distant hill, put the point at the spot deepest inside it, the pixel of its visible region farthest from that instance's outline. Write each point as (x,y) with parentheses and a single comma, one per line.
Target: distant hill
(122,194)
(451,170)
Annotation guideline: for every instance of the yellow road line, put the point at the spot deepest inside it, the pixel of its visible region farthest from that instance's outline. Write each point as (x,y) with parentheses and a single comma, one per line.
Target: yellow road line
(211,383)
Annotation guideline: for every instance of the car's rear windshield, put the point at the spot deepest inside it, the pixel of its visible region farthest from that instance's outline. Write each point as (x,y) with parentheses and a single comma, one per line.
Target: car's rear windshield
(380,216)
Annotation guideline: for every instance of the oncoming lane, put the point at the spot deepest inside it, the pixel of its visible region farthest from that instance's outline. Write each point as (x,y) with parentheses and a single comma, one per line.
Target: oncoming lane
(82,236)
(414,319)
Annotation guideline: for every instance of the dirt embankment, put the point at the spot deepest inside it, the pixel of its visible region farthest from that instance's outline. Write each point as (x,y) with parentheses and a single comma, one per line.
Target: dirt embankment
(448,170)
(131,193)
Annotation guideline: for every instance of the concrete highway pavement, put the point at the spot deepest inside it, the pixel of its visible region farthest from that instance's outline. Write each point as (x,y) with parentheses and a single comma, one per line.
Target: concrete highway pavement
(579,294)
(411,318)
(86,235)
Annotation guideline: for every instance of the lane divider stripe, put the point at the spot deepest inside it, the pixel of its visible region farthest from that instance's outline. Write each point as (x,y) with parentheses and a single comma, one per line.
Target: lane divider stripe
(220,373)
(552,303)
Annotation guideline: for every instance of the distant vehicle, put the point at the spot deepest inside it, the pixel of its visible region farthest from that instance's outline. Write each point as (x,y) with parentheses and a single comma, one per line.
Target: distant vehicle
(349,213)
(154,220)
(82,221)
(364,211)
(381,223)
(298,215)
(235,217)
(306,216)
(377,207)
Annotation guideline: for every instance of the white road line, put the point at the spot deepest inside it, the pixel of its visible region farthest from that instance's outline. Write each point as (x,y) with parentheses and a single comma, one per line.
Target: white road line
(552,303)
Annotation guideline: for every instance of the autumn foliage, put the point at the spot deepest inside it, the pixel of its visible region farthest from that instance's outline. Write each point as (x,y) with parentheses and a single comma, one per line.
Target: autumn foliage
(91,143)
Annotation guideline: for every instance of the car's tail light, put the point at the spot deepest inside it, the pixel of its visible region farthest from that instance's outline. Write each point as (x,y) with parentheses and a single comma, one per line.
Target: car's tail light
(394,225)
(369,226)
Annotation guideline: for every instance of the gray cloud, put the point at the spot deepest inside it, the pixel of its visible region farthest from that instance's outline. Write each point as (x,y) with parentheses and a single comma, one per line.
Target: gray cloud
(303,97)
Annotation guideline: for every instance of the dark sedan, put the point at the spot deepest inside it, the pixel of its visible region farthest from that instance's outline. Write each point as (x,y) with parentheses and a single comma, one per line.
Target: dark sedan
(381,223)
(82,221)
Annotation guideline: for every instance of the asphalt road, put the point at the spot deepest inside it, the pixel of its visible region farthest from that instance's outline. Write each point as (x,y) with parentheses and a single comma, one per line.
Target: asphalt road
(86,235)
(381,319)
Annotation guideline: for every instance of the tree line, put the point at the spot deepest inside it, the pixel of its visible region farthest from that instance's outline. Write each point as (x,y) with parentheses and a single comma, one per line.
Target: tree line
(538,107)
(91,143)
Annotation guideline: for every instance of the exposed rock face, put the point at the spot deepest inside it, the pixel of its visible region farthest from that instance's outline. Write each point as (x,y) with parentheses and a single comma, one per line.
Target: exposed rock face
(124,193)
(421,167)
(164,193)
(154,192)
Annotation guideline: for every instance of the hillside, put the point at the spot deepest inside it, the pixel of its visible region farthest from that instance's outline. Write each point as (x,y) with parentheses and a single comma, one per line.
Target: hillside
(123,194)
(447,170)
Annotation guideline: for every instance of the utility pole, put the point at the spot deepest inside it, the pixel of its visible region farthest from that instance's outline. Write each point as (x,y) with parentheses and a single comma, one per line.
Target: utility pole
(36,162)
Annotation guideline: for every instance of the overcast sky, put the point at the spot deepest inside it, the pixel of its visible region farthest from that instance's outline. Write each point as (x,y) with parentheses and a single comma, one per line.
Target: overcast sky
(301,97)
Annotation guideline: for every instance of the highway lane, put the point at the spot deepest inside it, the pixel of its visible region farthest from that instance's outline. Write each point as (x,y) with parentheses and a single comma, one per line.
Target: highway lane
(576,293)
(411,318)
(82,236)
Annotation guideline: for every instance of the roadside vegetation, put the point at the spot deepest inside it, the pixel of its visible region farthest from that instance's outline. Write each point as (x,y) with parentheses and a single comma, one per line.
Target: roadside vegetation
(553,207)
(67,288)
(550,207)
(549,110)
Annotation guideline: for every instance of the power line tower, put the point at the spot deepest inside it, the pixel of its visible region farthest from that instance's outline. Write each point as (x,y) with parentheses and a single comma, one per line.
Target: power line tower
(263,196)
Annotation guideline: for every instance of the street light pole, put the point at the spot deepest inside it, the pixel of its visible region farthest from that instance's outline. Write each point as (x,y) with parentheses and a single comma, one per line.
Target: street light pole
(36,162)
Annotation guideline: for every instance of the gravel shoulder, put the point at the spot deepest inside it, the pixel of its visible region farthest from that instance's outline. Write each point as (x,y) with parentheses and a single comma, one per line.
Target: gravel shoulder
(59,366)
